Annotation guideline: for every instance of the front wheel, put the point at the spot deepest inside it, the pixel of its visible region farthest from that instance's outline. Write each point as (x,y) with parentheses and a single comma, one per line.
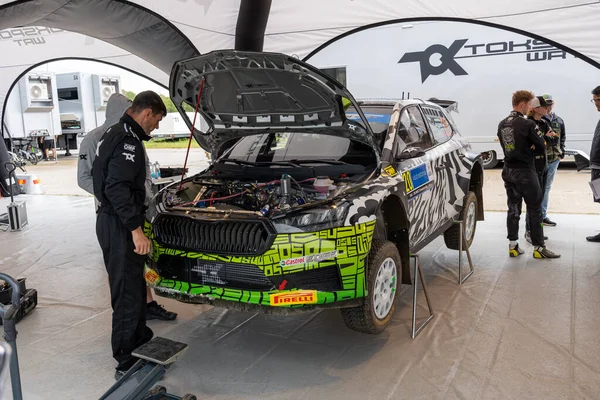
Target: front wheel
(378,307)
(468,215)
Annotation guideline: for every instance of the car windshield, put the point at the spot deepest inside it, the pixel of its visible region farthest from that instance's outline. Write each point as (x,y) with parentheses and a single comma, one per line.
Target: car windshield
(299,147)
(378,117)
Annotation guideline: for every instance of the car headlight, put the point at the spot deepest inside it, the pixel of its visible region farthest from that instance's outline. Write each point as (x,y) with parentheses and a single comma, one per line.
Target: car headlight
(314,219)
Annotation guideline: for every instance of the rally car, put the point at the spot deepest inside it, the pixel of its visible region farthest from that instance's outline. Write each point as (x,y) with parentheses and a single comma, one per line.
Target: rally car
(313,198)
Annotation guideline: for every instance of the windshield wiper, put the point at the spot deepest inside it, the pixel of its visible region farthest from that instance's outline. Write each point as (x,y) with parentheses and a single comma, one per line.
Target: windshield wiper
(332,162)
(259,163)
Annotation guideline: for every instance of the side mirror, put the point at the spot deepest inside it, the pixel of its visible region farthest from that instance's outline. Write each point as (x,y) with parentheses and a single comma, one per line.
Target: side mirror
(410,152)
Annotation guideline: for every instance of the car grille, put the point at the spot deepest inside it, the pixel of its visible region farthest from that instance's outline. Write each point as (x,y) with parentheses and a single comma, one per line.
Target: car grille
(325,279)
(222,236)
(213,273)
(242,276)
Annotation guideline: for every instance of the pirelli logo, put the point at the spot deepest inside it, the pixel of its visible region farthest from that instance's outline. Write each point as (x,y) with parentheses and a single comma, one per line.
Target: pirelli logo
(293,298)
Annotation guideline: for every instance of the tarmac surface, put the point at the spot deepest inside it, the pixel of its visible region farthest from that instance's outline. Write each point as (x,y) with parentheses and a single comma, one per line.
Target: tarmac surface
(570,192)
(517,329)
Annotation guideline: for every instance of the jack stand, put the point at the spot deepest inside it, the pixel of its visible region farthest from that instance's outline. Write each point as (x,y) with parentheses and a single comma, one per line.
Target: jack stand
(418,274)
(155,357)
(463,244)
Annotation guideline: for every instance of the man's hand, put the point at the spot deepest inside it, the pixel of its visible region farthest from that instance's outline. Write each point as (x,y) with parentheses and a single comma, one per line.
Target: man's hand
(140,241)
(551,133)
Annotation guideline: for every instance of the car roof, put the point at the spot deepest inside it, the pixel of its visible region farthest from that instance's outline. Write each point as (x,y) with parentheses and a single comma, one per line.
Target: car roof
(391,102)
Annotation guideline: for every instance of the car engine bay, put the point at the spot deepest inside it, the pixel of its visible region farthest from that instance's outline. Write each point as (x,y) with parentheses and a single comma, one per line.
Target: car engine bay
(258,198)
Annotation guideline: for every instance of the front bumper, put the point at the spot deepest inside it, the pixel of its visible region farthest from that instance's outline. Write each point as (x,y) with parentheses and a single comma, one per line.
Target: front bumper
(299,270)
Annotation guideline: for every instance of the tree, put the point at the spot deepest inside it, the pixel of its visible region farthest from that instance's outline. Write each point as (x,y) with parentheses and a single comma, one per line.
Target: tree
(128,94)
(168,102)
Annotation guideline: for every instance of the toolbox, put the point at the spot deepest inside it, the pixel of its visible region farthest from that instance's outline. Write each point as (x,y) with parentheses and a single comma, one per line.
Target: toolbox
(29,298)
(17,215)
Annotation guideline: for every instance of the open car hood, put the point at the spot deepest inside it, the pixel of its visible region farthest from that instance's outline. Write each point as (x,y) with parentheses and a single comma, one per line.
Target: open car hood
(249,93)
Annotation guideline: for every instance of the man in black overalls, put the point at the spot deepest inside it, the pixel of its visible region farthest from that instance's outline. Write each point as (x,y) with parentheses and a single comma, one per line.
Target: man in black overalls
(519,138)
(119,177)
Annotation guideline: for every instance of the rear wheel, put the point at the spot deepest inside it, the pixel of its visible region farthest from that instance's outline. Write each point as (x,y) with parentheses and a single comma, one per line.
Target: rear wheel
(378,307)
(34,158)
(490,159)
(468,215)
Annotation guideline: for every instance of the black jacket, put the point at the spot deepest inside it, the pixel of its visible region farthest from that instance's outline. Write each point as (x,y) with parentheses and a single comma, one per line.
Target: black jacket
(119,172)
(558,125)
(595,150)
(517,135)
(541,156)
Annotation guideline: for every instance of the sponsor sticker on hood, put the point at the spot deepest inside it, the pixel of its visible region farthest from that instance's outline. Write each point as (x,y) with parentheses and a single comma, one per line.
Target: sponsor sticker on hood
(292,262)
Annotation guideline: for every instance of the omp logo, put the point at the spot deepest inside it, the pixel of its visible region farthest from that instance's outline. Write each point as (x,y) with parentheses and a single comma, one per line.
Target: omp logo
(291,298)
(535,50)
(28,35)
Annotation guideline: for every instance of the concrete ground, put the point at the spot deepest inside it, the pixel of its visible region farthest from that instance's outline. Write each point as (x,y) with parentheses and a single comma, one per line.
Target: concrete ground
(570,193)
(517,329)
(60,178)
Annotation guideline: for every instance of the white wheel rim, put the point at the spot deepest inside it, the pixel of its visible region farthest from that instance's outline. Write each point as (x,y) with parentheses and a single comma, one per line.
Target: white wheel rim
(470,222)
(488,160)
(384,290)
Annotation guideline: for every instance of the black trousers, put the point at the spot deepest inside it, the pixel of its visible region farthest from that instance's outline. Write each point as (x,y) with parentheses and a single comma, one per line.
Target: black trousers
(542,179)
(523,184)
(127,288)
(595,175)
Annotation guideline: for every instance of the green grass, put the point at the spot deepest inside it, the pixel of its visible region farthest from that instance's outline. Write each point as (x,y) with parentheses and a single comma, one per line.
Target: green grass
(170,144)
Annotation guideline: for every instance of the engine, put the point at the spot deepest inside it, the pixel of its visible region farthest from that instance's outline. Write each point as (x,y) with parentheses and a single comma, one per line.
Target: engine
(256,197)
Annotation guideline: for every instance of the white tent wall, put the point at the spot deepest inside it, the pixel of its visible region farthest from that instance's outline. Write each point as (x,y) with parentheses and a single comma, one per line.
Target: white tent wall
(52,45)
(147,36)
(299,30)
(504,62)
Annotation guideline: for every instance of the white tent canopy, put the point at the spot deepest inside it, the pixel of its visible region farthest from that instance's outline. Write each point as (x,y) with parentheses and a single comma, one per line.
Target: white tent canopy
(147,36)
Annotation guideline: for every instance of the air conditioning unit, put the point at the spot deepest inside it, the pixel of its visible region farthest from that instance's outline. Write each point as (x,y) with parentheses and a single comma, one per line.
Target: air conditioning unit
(107,91)
(104,87)
(38,91)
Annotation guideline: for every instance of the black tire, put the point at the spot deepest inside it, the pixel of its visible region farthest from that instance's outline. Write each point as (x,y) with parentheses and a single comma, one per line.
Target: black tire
(364,318)
(189,397)
(452,235)
(157,390)
(490,159)
(34,158)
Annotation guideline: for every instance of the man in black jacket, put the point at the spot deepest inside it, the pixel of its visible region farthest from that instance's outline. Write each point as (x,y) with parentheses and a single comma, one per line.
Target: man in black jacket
(119,178)
(555,151)
(519,138)
(539,108)
(595,152)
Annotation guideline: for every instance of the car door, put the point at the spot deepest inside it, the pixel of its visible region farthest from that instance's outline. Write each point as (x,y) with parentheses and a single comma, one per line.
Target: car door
(417,169)
(449,153)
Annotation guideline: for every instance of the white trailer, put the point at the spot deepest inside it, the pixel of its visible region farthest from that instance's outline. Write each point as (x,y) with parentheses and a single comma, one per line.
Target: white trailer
(173,126)
(32,110)
(477,66)
(82,102)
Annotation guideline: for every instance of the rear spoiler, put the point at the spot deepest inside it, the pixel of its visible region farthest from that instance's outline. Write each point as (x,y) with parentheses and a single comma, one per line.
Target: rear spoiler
(449,105)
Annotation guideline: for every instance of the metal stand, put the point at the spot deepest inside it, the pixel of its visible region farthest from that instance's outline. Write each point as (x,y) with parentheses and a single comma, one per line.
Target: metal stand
(8,314)
(463,244)
(418,274)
